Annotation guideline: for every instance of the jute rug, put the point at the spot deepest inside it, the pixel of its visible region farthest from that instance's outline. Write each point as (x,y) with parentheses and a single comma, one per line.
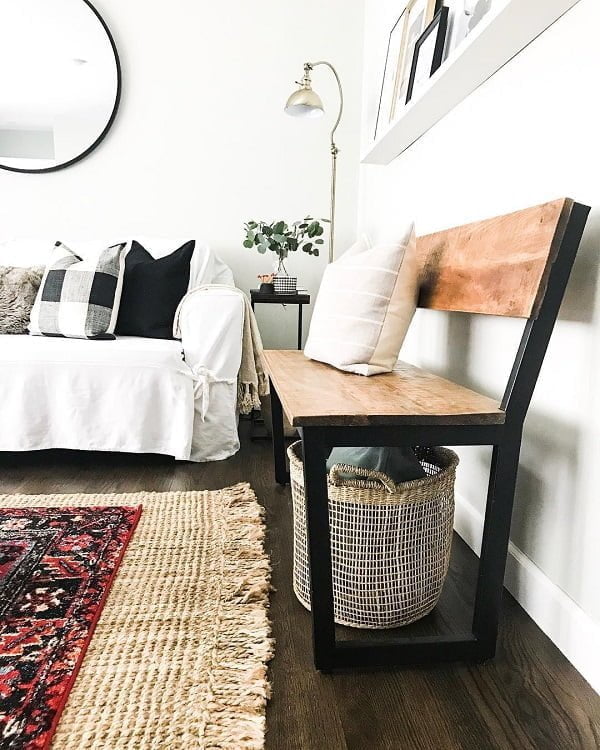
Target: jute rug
(178,658)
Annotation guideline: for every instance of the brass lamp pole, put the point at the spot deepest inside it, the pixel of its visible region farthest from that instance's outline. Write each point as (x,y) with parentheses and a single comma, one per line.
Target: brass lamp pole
(307,103)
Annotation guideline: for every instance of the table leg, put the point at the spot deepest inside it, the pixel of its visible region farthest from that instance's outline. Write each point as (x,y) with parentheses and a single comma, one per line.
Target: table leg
(299,327)
(319,548)
(282,476)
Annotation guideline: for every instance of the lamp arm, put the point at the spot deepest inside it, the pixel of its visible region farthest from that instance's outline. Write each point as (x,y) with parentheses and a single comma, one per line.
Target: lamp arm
(337,78)
(334,150)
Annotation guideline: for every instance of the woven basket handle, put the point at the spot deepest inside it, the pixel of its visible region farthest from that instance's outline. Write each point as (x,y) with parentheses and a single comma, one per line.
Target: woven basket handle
(359,471)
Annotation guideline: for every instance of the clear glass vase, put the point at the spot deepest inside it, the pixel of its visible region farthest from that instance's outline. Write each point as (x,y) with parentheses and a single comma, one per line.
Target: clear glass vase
(281,270)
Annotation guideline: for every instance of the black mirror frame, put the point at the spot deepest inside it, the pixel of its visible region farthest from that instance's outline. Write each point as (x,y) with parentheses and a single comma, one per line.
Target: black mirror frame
(111,119)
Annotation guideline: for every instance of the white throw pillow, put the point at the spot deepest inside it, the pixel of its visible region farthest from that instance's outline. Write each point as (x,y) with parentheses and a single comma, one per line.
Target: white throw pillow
(365,305)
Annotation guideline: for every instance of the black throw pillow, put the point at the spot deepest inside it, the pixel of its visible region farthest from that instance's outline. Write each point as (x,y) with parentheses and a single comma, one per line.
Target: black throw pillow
(152,289)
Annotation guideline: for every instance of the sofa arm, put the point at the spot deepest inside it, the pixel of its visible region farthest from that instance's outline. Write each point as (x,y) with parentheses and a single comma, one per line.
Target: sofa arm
(210,322)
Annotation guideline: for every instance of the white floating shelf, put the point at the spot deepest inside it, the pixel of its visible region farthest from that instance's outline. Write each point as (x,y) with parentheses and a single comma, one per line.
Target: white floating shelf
(498,37)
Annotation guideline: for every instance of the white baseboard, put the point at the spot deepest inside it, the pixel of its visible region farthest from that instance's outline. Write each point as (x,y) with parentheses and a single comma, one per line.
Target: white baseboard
(562,620)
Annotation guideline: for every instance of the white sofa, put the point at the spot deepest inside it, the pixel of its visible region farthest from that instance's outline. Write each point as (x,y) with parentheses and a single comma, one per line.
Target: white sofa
(133,394)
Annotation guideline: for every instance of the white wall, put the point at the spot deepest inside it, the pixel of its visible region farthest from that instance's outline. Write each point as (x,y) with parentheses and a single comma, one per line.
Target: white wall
(527,135)
(201,143)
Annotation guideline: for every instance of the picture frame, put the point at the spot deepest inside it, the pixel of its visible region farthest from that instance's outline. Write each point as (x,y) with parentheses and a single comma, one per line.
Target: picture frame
(428,53)
(463,17)
(413,19)
(389,73)
(418,14)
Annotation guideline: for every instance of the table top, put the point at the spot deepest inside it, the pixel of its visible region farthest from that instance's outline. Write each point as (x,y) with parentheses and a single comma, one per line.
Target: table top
(302,298)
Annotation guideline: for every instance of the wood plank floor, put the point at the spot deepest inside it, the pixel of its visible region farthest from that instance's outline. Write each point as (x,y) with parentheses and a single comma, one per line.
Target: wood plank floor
(529,698)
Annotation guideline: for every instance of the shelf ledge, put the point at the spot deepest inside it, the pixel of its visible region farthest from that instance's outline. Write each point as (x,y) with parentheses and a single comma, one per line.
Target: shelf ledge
(498,38)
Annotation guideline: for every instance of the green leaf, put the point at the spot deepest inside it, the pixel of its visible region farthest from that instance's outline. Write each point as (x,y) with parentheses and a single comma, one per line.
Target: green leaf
(319,230)
(316,252)
(248,243)
(279,227)
(307,248)
(261,239)
(319,241)
(279,238)
(261,248)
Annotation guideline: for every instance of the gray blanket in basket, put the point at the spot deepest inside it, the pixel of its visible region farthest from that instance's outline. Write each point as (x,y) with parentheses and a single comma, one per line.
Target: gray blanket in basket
(399,464)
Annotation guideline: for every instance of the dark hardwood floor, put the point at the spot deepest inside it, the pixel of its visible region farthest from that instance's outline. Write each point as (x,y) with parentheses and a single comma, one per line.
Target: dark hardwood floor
(529,698)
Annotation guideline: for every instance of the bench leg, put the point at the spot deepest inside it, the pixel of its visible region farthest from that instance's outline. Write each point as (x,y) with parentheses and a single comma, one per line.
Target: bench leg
(319,548)
(477,645)
(494,546)
(282,476)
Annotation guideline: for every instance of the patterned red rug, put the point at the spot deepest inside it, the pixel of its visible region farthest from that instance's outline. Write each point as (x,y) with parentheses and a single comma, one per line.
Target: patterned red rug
(56,569)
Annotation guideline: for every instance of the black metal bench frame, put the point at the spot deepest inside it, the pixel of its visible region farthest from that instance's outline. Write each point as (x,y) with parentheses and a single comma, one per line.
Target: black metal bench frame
(318,441)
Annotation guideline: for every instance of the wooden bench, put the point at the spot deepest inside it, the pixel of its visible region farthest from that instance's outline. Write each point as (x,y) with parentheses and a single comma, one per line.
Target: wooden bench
(515,265)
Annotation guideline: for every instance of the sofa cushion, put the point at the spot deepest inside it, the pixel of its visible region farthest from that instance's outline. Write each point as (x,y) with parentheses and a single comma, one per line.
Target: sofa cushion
(79,298)
(127,394)
(364,307)
(152,290)
(18,289)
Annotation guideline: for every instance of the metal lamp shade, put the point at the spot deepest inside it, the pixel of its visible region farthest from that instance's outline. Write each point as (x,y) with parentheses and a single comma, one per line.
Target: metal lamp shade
(304,103)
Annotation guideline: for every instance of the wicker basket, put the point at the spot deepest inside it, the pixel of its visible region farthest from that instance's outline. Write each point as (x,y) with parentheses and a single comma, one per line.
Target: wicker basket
(390,542)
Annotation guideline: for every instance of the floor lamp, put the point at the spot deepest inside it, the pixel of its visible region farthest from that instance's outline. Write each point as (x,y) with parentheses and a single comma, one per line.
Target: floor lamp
(307,103)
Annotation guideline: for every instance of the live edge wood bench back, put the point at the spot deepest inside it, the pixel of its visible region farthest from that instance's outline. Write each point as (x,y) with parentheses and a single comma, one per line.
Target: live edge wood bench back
(516,265)
(499,266)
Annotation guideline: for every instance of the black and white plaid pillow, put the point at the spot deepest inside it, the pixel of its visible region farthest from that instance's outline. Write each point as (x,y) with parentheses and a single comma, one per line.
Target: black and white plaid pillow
(79,298)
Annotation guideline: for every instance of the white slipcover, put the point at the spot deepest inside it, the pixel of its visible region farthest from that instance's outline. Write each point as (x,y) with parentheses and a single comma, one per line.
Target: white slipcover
(138,395)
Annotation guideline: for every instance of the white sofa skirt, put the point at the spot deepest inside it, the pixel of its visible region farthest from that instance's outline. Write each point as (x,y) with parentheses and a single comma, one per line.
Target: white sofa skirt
(132,395)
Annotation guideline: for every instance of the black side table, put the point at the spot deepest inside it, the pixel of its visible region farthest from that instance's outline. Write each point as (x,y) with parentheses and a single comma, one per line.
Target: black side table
(257,297)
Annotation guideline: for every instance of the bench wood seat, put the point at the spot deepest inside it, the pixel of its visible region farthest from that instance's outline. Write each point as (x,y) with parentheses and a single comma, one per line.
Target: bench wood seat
(314,394)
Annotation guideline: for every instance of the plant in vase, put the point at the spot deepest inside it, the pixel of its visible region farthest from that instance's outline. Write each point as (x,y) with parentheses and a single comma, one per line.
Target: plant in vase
(283,239)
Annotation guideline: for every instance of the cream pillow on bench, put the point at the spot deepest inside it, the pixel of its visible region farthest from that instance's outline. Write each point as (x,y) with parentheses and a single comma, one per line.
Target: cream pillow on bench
(365,305)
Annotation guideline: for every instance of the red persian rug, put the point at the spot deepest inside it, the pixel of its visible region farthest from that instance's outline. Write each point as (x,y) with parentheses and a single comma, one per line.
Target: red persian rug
(56,569)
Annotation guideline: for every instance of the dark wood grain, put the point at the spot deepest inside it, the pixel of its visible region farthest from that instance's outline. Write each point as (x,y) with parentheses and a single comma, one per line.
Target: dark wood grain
(529,698)
(313,393)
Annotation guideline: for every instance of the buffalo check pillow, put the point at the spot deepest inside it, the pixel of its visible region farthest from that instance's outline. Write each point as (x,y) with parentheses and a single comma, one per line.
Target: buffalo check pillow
(79,298)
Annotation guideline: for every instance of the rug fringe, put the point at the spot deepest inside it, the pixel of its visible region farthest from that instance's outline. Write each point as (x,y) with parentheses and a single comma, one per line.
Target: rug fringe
(226,702)
(239,692)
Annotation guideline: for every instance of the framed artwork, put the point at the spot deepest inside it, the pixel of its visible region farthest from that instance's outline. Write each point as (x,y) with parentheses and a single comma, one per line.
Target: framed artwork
(428,52)
(389,74)
(417,15)
(463,17)
(410,24)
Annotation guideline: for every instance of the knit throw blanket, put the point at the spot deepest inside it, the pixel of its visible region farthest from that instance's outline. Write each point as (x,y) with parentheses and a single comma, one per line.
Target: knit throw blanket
(252,378)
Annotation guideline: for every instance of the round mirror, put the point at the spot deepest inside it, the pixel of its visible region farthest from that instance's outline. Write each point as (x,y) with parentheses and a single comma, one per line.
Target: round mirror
(60,83)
